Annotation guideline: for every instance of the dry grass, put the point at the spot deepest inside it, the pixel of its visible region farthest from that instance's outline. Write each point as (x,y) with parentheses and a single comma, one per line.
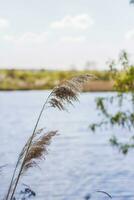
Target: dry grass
(38,150)
(68,91)
(36,147)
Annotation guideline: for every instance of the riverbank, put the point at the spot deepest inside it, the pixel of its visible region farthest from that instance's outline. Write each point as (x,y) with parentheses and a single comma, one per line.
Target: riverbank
(44,79)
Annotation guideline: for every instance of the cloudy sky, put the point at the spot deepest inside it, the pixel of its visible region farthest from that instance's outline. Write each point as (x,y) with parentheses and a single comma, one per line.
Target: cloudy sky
(59,34)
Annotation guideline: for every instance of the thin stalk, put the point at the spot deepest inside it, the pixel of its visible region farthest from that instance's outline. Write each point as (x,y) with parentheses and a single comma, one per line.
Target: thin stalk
(65,95)
(22,165)
(12,180)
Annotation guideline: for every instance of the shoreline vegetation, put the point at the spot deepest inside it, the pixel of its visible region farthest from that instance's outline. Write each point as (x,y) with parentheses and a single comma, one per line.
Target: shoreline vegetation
(14,79)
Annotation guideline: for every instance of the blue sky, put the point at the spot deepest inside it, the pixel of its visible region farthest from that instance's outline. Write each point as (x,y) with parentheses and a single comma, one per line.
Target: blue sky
(59,34)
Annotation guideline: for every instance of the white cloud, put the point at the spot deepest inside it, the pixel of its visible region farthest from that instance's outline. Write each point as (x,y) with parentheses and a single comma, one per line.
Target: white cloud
(27,38)
(81,22)
(4,23)
(130,34)
(71,39)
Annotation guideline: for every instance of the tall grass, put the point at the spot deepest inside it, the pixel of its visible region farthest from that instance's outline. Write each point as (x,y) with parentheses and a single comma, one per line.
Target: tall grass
(36,146)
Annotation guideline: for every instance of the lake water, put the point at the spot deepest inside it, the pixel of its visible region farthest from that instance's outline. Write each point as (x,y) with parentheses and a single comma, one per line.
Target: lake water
(78,164)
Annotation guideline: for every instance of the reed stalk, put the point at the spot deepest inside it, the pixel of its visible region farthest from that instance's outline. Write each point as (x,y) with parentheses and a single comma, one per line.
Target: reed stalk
(65,93)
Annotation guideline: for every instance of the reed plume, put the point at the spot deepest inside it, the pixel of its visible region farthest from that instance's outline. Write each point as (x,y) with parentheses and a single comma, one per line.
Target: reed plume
(38,150)
(66,93)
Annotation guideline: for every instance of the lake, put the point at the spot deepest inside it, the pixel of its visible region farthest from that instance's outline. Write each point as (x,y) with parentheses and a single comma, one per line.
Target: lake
(78,163)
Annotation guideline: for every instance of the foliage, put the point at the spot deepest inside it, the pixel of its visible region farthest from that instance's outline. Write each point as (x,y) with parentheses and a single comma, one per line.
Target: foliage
(124,116)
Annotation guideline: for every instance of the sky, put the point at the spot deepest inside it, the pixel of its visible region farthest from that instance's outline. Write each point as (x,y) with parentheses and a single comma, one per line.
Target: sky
(64,34)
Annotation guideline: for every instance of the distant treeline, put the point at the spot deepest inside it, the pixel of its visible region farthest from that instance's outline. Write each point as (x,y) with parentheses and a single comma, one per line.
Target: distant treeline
(15,79)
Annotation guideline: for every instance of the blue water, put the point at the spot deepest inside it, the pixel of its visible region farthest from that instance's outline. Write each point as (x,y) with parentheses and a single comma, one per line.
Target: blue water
(78,164)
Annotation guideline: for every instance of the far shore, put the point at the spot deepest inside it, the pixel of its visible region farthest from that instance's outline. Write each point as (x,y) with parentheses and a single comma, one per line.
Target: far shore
(14,79)
(92,86)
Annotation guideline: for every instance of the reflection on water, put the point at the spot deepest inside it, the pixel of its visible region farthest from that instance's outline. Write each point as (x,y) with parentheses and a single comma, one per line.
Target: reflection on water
(79,162)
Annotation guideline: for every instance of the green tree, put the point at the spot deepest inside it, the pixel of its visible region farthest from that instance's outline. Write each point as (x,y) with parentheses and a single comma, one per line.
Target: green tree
(123,117)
